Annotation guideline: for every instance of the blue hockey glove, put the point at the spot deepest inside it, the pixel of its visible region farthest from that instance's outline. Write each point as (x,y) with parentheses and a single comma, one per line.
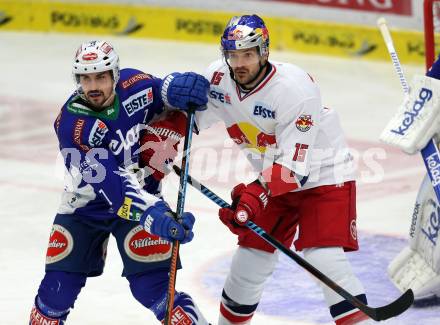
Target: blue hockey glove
(158,220)
(183,90)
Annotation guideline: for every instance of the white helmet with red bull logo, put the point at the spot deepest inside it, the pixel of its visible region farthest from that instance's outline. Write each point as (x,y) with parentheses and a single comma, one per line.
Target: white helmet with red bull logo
(95,56)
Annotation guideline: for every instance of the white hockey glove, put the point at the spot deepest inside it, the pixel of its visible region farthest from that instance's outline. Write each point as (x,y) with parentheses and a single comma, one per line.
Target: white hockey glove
(417,119)
(418,266)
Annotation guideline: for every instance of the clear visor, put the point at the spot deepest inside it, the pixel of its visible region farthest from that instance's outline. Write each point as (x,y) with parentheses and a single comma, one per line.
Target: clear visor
(240,58)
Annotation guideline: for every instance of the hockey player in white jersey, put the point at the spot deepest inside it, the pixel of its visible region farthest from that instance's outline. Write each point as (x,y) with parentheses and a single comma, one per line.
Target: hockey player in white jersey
(273,111)
(416,122)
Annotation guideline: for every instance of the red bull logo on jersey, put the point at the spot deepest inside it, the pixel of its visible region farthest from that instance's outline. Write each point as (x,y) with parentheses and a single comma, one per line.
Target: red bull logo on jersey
(304,123)
(60,244)
(250,136)
(142,246)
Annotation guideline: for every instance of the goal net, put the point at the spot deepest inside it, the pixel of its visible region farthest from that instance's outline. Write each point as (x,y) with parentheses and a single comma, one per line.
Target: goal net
(432,30)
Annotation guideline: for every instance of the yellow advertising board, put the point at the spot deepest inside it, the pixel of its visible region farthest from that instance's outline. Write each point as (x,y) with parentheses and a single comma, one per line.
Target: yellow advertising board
(203,26)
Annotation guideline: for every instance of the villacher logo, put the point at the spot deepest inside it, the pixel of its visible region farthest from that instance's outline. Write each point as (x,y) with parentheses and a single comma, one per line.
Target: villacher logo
(142,246)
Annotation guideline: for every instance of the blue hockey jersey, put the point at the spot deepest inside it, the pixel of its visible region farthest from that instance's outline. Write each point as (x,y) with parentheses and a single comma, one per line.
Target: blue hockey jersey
(101,148)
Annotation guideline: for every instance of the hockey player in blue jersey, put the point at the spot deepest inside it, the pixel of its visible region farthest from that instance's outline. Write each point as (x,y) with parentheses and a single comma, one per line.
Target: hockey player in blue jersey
(98,131)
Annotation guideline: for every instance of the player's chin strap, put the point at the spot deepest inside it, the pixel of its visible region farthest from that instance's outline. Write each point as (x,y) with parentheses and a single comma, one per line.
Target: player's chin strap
(380,313)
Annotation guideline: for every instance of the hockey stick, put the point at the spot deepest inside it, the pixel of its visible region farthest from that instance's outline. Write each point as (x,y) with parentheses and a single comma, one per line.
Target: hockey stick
(381,22)
(179,213)
(380,313)
(430,154)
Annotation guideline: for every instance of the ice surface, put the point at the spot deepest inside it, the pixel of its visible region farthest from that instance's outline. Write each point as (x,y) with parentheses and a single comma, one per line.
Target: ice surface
(35,81)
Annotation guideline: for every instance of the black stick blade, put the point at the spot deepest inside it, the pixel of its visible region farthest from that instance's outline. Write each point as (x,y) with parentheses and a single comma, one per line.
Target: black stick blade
(395,308)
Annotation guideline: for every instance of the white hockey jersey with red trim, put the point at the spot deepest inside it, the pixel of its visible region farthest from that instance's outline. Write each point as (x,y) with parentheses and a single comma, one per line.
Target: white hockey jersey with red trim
(282,120)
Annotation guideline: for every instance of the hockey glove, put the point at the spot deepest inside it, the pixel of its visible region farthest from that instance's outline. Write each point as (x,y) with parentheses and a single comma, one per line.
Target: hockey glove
(158,220)
(159,143)
(182,90)
(249,201)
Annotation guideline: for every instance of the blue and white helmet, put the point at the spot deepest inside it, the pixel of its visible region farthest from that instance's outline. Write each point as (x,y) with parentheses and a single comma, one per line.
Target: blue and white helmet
(244,32)
(95,56)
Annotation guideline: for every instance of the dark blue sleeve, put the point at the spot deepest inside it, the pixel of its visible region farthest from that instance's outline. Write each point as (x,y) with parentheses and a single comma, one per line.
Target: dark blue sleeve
(90,163)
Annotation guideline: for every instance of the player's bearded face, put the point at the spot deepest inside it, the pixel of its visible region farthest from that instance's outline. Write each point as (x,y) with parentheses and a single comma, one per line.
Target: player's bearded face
(244,63)
(97,87)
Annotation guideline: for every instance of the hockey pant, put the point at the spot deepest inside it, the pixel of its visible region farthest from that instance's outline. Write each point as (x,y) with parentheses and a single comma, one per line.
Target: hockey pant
(58,291)
(251,268)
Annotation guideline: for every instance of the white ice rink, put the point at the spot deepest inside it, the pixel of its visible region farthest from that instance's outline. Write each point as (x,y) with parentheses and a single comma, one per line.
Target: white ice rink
(35,81)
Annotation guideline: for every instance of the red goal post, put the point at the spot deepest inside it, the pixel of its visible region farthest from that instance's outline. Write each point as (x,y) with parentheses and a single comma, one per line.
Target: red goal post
(431,13)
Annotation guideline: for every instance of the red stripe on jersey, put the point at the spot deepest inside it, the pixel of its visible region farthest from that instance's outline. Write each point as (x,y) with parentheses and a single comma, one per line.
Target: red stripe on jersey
(265,81)
(232,317)
(352,318)
(279,179)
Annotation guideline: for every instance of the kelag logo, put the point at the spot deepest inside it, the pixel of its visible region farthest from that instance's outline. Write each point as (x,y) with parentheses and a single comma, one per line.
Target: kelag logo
(431,228)
(70,19)
(425,95)
(199,26)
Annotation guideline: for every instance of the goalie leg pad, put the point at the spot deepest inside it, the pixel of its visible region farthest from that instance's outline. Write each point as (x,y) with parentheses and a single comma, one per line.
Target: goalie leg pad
(334,261)
(410,270)
(418,266)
